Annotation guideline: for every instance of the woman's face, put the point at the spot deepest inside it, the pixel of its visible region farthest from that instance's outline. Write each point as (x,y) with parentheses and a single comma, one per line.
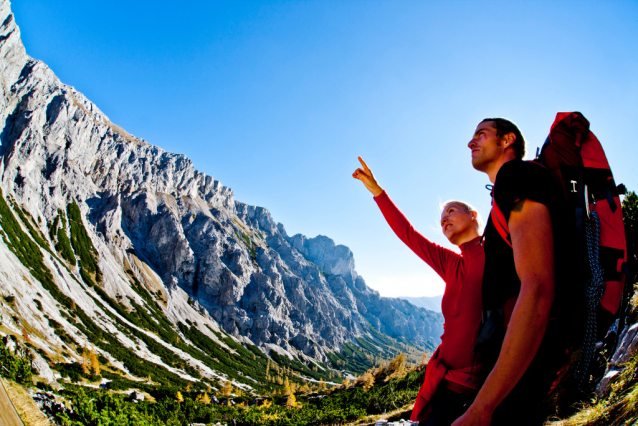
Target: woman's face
(456,222)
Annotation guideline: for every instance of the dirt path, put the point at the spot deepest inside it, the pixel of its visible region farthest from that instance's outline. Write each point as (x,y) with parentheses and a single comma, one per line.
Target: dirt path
(8,414)
(396,415)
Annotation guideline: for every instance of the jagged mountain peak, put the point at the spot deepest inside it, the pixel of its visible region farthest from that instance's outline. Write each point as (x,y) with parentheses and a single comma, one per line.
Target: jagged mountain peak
(131,250)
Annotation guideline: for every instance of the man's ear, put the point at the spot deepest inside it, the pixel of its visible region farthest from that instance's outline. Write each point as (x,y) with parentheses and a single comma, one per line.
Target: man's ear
(509,139)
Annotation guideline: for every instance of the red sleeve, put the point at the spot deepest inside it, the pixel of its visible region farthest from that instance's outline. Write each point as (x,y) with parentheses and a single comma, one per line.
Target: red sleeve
(439,258)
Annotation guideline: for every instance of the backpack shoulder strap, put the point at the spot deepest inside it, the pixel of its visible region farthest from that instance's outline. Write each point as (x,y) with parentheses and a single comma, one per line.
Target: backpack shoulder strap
(498,219)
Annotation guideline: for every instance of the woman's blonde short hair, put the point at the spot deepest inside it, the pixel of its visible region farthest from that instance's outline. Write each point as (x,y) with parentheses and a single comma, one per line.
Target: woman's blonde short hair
(467,208)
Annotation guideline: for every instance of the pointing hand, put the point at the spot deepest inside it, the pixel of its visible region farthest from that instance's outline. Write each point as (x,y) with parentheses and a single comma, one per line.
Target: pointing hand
(365,175)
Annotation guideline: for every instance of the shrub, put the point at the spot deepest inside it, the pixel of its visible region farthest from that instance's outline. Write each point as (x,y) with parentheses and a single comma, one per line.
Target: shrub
(58,235)
(83,246)
(16,366)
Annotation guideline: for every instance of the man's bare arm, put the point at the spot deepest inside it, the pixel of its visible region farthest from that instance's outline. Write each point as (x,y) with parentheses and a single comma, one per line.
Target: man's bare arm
(533,244)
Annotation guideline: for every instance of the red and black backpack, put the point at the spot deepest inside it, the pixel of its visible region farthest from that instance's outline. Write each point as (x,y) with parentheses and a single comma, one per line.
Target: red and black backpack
(575,158)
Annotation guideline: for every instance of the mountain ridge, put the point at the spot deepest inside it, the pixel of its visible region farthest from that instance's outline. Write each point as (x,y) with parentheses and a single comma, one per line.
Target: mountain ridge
(159,251)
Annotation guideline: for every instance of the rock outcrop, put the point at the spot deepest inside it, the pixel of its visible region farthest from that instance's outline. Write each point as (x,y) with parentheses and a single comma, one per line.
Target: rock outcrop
(625,351)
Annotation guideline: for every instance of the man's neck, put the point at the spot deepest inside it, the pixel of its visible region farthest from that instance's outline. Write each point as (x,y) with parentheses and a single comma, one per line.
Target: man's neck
(496,166)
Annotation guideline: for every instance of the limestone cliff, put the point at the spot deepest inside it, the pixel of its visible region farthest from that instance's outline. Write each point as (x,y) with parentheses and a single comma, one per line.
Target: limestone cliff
(151,219)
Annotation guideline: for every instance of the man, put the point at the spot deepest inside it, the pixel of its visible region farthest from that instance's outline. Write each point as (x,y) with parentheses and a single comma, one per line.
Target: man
(519,284)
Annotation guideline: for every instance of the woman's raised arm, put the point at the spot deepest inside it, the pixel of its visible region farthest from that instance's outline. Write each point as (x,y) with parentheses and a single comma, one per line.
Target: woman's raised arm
(437,257)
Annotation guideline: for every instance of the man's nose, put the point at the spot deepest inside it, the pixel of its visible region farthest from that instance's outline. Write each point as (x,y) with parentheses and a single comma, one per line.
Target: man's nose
(471,144)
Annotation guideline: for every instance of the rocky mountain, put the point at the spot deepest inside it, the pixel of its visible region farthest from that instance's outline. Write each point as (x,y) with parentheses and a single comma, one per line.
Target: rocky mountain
(114,244)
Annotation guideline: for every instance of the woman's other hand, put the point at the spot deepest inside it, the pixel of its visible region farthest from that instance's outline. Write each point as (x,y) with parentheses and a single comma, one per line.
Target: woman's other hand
(365,175)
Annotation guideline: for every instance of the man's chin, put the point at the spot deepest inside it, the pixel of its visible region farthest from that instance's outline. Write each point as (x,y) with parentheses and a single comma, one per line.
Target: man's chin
(478,164)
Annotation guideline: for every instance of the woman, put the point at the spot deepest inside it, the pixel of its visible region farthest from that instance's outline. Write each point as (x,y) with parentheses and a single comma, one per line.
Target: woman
(451,377)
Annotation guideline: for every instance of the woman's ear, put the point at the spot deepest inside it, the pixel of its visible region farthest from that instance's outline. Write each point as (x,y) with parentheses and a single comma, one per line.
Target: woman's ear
(473,214)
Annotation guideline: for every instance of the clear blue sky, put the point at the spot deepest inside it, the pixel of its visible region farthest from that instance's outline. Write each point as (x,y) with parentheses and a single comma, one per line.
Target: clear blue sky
(277,99)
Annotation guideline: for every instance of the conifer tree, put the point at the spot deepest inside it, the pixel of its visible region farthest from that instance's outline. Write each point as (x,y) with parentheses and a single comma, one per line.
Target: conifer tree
(366,379)
(227,389)
(397,367)
(204,398)
(95,363)
(287,390)
(85,362)
(291,402)
(424,358)
(25,336)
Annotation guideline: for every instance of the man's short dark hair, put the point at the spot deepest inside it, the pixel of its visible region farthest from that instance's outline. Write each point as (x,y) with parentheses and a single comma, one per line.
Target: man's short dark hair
(504,126)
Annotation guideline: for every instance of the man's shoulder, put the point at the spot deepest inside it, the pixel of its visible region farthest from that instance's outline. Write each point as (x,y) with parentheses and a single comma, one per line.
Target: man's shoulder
(520,169)
(518,179)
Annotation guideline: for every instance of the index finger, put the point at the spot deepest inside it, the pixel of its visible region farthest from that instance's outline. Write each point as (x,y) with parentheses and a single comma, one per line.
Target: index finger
(363,163)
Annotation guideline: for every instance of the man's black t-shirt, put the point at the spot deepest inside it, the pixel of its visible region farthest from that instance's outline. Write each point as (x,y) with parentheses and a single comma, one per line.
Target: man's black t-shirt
(518,180)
